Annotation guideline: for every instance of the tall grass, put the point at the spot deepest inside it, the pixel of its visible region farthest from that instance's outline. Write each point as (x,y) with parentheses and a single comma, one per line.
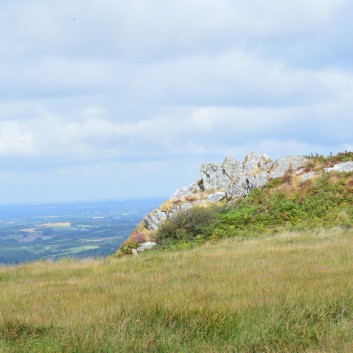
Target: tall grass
(291,292)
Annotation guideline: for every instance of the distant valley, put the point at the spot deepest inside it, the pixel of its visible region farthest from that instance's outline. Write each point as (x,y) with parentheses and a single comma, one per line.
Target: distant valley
(79,230)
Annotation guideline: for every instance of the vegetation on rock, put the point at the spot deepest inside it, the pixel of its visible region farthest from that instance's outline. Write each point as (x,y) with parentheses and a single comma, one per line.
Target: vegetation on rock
(318,162)
(286,203)
(274,194)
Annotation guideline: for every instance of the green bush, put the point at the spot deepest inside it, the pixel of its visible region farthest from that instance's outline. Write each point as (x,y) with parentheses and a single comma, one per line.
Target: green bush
(191,224)
(127,248)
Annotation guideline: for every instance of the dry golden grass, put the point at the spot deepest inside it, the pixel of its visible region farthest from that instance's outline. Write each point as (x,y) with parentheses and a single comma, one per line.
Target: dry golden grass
(170,204)
(287,293)
(293,184)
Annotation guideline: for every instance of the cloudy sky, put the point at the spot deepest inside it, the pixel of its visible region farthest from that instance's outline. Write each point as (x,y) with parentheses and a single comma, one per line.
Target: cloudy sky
(106,99)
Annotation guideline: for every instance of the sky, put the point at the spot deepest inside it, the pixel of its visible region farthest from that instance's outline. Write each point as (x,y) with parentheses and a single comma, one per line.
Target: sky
(109,99)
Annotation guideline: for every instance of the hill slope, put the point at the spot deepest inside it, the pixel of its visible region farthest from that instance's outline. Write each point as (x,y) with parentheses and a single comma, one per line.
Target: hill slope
(290,292)
(274,274)
(262,197)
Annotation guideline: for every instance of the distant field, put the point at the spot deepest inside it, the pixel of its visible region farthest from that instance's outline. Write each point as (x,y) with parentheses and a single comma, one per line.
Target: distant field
(291,292)
(56,225)
(53,231)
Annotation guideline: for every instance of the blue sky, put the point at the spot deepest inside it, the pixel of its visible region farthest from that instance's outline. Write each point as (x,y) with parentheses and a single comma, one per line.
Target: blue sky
(111,99)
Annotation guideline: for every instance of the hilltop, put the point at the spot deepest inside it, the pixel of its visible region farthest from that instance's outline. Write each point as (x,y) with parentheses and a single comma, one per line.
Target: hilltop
(294,187)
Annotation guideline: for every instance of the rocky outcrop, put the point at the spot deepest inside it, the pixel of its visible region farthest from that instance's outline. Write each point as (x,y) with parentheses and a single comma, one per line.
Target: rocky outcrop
(220,182)
(345,167)
(227,181)
(341,167)
(153,220)
(143,247)
(219,176)
(237,179)
(282,166)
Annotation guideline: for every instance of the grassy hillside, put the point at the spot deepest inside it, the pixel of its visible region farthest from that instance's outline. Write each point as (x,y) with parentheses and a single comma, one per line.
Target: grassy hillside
(286,204)
(291,292)
(274,274)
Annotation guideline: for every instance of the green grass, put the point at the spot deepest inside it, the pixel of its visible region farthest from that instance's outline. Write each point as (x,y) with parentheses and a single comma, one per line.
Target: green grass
(292,292)
(274,274)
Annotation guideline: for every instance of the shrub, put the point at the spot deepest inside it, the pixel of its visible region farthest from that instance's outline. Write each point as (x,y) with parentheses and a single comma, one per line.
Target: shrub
(329,161)
(127,248)
(188,224)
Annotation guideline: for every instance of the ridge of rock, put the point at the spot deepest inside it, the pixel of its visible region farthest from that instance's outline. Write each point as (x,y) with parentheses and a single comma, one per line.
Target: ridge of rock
(220,182)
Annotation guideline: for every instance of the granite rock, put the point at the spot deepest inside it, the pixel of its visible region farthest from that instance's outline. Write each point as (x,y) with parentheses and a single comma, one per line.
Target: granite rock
(231,168)
(258,170)
(154,219)
(341,167)
(146,246)
(186,191)
(213,176)
(255,163)
(282,166)
(216,197)
(219,176)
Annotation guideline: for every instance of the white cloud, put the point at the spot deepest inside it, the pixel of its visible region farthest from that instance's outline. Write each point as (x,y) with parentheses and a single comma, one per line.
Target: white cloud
(178,132)
(142,81)
(14,140)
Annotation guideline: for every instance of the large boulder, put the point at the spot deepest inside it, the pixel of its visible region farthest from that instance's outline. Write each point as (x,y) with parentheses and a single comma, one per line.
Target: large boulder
(153,220)
(186,191)
(146,246)
(341,167)
(282,166)
(218,176)
(213,176)
(231,168)
(143,247)
(258,170)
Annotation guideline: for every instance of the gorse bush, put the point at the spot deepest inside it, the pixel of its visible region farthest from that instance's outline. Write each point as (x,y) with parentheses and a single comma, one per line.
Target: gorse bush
(283,204)
(189,224)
